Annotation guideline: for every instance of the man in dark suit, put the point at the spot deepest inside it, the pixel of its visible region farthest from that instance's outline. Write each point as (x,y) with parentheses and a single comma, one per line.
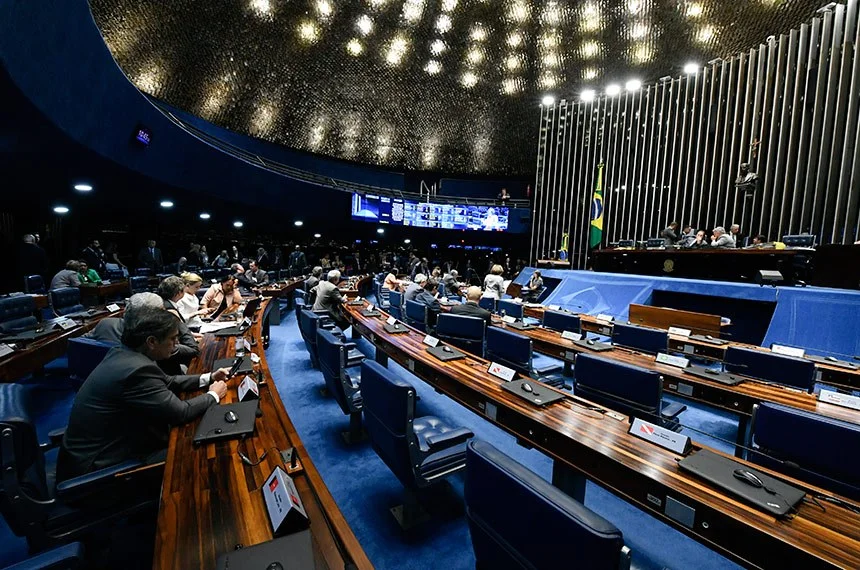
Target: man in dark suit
(427,297)
(94,256)
(125,408)
(298,262)
(255,276)
(150,256)
(471,308)
(171,290)
(32,259)
(328,298)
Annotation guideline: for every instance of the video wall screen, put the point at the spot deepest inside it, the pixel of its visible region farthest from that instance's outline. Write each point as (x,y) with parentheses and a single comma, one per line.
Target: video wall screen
(397,211)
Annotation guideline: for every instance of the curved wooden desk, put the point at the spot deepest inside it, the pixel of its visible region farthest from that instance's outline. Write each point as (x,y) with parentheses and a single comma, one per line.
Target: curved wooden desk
(211,501)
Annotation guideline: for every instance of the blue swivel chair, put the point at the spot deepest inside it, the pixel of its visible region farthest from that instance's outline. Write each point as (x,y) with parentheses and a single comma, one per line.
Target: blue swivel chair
(420,451)
(35,285)
(626,388)
(382,295)
(114,274)
(342,383)
(65,301)
(807,446)
(84,354)
(395,304)
(771,367)
(17,313)
(139,284)
(66,557)
(510,308)
(560,321)
(515,351)
(300,304)
(416,315)
(644,339)
(47,514)
(462,331)
(309,323)
(143,271)
(499,490)
(487,303)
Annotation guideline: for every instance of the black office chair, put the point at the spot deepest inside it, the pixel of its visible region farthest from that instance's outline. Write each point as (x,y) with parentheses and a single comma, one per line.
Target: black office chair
(419,451)
(395,304)
(488,303)
(561,321)
(17,313)
(138,284)
(771,367)
(629,389)
(644,339)
(309,323)
(344,384)
(143,271)
(65,301)
(34,285)
(510,308)
(66,557)
(515,351)
(300,294)
(46,514)
(462,331)
(500,490)
(807,446)
(416,315)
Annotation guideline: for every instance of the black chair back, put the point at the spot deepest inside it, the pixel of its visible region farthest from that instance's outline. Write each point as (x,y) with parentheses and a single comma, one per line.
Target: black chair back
(644,339)
(510,308)
(395,301)
(462,331)
(771,367)
(560,321)
(138,284)
(510,349)
(488,303)
(35,285)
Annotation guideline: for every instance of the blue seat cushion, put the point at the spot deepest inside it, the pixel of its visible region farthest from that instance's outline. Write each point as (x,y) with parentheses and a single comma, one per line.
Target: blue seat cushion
(545,364)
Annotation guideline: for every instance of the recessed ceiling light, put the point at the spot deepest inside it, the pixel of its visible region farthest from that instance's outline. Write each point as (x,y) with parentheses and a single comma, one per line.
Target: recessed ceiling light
(61,210)
(318,236)
(613,90)
(380,231)
(299,223)
(364,24)
(587,95)
(691,68)
(407,240)
(238,224)
(204,216)
(633,85)
(548,100)
(83,187)
(166,204)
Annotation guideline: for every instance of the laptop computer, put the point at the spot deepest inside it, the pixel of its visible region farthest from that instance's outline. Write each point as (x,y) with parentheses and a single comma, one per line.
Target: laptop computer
(251,307)
(215,425)
(292,552)
(221,308)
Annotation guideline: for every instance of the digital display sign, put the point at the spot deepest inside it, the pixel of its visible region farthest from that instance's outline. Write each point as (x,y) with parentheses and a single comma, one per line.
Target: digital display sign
(397,211)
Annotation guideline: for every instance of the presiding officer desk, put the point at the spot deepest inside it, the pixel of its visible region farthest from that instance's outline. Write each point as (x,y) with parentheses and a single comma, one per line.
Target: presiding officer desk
(587,443)
(211,501)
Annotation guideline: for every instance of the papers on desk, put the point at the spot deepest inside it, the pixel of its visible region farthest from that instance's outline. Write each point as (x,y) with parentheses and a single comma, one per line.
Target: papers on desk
(532,305)
(212,327)
(5,349)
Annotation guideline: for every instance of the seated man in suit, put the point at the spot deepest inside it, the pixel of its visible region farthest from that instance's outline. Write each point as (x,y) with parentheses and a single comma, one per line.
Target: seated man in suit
(125,408)
(471,308)
(428,297)
(109,329)
(415,287)
(255,277)
(314,279)
(328,298)
(216,293)
(67,277)
(171,290)
(721,239)
(452,285)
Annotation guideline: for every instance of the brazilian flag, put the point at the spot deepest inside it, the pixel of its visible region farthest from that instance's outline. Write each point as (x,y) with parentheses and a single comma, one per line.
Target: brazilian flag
(597,210)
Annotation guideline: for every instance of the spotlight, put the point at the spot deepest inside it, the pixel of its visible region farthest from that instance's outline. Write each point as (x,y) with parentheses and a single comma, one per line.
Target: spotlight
(238,224)
(318,236)
(613,90)
(380,231)
(83,187)
(587,95)
(691,68)
(298,223)
(61,210)
(166,204)
(204,216)
(633,85)
(407,241)
(548,100)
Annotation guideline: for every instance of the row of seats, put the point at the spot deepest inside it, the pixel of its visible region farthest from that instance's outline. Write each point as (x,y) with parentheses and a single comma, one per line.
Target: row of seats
(19,312)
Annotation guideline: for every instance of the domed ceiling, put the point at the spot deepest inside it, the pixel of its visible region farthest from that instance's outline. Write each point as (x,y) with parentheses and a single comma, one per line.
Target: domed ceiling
(444,85)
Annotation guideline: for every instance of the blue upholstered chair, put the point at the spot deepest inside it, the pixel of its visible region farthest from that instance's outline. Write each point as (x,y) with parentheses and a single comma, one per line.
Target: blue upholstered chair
(382,295)
(342,383)
(499,490)
(35,285)
(143,271)
(47,514)
(17,313)
(300,294)
(420,451)
(395,304)
(771,367)
(65,301)
(66,557)
(510,308)
(515,351)
(140,284)
(561,321)
(416,315)
(626,388)
(807,446)
(114,274)
(300,304)
(208,275)
(487,303)
(84,354)
(462,331)
(309,323)
(644,339)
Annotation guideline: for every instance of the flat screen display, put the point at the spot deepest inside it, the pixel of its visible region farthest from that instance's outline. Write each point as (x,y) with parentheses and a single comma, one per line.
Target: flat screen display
(397,211)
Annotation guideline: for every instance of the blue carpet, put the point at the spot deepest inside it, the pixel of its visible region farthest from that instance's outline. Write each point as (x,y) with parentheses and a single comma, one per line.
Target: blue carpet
(365,489)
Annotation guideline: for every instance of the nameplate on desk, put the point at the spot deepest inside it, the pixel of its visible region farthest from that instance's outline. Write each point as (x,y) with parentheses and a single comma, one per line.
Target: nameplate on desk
(835,398)
(254,358)
(678,331)
(66,324)
(570,335)
(509,319)
(503,372)
(246,344)
(390,321)
(604,317)
(787,350)
(370,308)
(667,439)
(431,340)
(248,390)
(113,307)
(5,349)
(553,307)
(678,361)
(283,503)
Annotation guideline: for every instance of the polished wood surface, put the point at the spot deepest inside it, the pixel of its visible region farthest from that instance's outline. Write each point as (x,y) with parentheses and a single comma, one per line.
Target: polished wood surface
(97,294)
(601,449)
(664,317)
(282,288)
(41,301)
(211,502)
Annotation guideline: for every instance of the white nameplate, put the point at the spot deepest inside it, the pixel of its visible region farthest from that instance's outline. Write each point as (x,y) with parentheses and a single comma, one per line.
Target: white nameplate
(5,349)
(248,390)
(247,344)
(553,307)
(678,361)
(370,308)
(604,317)
(67,324)
(517,300)
(503,372)
(254,358)
(787,350)
(359,299)
(113,307)
(391,321)
(570,335)
(657,435)
(431,340)
(845,400)
(282,499)
(679,331)
(509,319)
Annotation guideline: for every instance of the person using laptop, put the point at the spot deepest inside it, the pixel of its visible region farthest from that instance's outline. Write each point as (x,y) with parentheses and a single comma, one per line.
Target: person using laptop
(127,405)
(218,292)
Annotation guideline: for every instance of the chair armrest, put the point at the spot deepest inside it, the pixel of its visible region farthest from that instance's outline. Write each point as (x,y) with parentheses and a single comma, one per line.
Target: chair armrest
(671,411)
(66,556)
(448,439)
(56,436)
(95,482)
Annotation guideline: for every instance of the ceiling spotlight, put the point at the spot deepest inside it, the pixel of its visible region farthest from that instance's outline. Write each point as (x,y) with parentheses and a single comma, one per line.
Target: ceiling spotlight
(238,224)
(613,90)
(298,223)
(204,216)
(83,187)
(666,79)
(633,85)
(61,210)
(548,100)
(380,231)
(407,240)
(318,236)
(166,204)
(364,24)
(587,95)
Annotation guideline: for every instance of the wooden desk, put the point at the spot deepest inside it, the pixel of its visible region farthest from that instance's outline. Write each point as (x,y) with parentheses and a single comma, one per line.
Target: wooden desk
(281,289)
(212,502)
(37,354)
(41,301)
(97,294)
(663,318)
(601,449)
